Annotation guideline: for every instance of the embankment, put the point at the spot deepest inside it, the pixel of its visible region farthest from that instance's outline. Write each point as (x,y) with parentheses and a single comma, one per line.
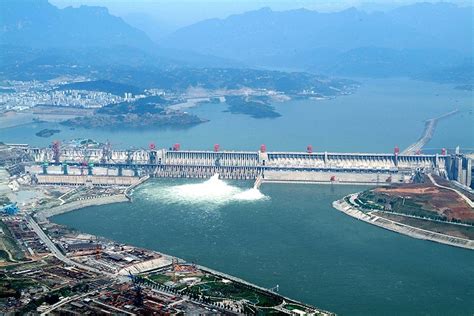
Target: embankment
(68,207)
(404,229)
(128,191)
(90,201)
(428,132)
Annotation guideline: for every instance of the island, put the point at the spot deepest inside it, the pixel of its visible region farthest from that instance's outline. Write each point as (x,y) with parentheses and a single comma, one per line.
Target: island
(47,132)
(257,107)
(145,112)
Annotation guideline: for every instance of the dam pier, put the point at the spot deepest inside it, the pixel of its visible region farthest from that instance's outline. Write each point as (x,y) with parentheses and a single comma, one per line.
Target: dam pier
(430,126)
(100,165)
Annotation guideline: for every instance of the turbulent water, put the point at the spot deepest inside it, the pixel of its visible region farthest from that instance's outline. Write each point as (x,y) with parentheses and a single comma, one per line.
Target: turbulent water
(208,195)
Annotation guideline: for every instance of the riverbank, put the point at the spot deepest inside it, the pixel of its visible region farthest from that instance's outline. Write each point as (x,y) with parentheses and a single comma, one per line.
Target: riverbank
(286,300)
(87,201)
(343,206)
(165,264)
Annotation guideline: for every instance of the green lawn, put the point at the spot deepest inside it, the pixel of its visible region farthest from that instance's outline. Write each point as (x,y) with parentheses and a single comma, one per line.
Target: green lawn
(236,291)
(160,278)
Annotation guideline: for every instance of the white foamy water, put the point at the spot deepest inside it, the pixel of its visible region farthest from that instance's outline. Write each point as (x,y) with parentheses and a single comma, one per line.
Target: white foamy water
(210,193)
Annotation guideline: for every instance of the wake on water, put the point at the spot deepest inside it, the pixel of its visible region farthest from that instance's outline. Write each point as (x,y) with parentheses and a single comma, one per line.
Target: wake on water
(210,193)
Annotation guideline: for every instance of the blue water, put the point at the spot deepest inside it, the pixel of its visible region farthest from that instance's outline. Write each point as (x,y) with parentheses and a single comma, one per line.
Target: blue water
(380,115)
(294,238)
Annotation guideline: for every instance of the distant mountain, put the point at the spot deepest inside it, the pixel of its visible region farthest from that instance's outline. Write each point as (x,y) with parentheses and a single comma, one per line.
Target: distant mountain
(155,29)
(384,62)
(38,24)
(384,43)
(462,73)
(39,40)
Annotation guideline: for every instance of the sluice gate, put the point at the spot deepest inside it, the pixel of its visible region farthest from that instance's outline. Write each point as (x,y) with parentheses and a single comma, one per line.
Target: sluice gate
(183,171)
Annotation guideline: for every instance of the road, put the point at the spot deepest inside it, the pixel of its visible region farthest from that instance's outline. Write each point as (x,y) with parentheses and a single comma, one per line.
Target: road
(465,198)
(57,253)
(63,302)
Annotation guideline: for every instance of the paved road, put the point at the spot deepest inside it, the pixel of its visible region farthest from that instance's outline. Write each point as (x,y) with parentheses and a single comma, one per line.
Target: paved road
(63,302)
(468,201)
(57,253)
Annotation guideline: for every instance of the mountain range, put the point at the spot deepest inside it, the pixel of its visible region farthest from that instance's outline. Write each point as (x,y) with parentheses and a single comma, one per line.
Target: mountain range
(403,41)
(421,40)
(35,33)
(39,24)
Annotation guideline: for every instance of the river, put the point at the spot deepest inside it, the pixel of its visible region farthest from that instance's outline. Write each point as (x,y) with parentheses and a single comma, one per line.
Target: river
(291,236)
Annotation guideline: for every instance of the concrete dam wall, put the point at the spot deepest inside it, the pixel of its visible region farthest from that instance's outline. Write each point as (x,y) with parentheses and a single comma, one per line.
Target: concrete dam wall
(378,178)
(370,168)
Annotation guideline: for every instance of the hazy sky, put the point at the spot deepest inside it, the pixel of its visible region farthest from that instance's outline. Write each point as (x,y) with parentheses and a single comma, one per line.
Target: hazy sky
(176,13)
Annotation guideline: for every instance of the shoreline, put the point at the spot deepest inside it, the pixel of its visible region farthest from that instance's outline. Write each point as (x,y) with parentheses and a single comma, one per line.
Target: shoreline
(410,231)
(43,216)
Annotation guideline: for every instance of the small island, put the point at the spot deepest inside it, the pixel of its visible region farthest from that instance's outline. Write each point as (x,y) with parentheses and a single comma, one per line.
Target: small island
(145,112)
(47,132)
(134,121)
(256,107)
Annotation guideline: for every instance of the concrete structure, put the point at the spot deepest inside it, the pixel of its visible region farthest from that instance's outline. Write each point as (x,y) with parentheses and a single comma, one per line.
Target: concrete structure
(372,168)
(459,169)
(430,126)
(85,180)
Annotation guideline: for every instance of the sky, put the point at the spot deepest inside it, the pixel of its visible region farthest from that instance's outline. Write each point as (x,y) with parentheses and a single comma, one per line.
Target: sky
(178,13)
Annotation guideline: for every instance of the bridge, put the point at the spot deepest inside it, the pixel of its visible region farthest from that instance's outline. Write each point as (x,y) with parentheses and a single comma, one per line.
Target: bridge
(54,163)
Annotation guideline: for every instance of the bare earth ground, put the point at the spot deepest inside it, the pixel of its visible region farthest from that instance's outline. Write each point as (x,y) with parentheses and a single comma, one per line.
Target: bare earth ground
(434,199)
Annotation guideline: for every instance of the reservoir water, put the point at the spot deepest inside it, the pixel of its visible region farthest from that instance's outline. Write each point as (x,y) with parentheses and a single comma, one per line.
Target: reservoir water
(291,236)
(380,115)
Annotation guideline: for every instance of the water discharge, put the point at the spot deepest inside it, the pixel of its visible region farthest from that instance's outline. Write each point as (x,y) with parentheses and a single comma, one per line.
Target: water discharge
(209,194)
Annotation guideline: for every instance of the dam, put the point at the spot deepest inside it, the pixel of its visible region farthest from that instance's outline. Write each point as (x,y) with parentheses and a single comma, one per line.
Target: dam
(58,164)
